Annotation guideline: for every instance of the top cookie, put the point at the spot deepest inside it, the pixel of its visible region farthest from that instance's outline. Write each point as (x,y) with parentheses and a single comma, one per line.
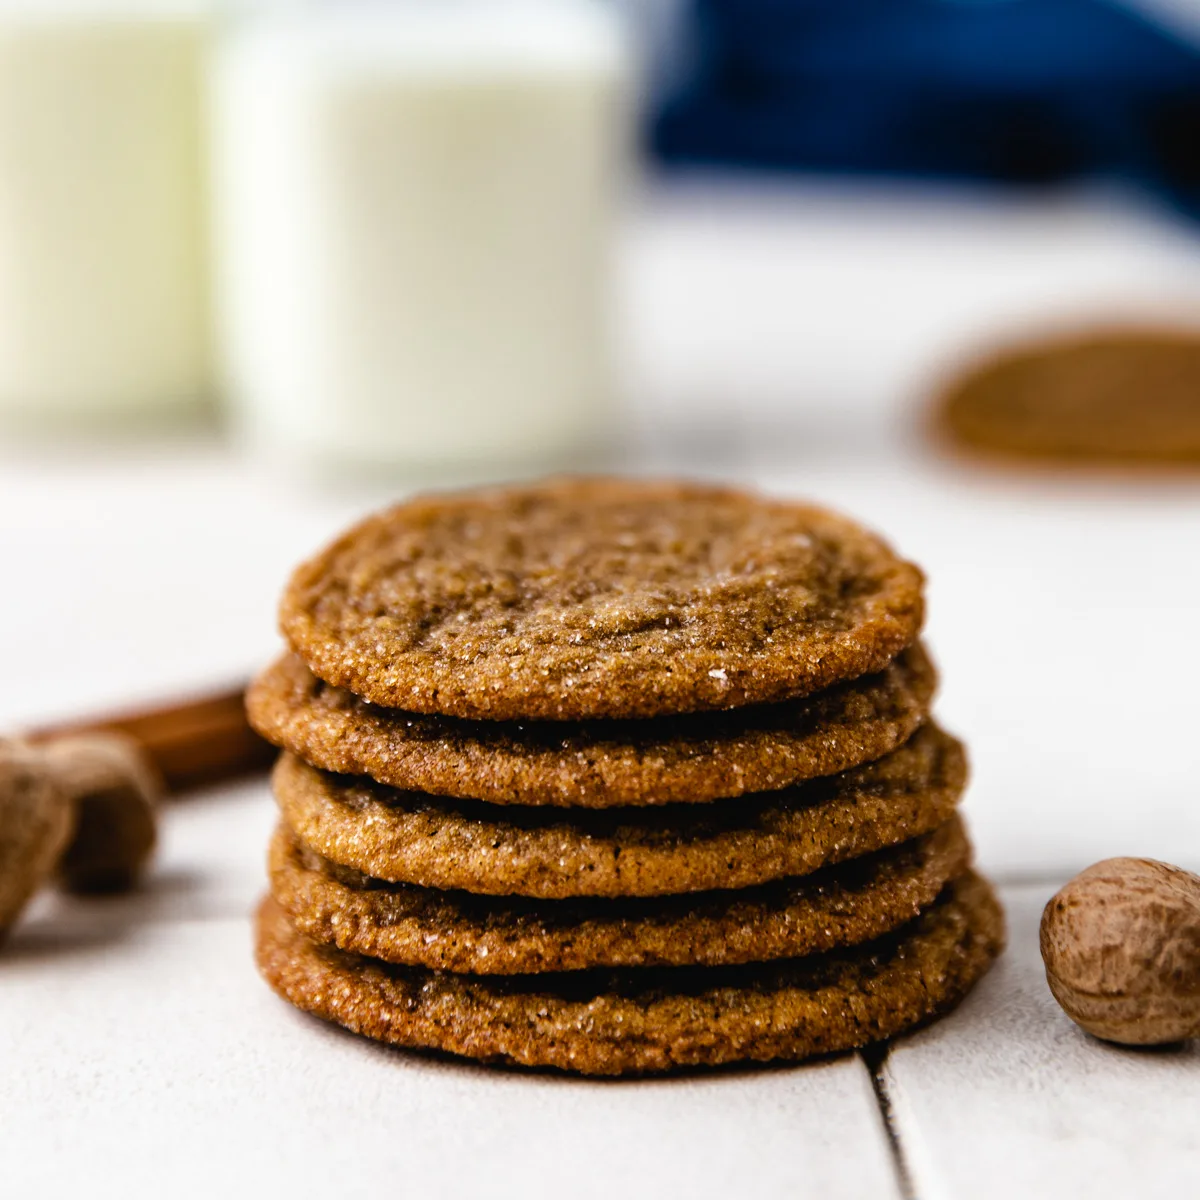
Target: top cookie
(574,599)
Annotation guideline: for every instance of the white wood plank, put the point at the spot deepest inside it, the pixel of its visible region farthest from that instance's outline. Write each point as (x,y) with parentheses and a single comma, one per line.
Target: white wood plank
(159,1064)
(1007,1098)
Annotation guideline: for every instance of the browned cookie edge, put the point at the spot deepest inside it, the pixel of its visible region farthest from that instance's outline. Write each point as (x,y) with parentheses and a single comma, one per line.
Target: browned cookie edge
(652,1021)
(456,931)
(681,760)
(553,854)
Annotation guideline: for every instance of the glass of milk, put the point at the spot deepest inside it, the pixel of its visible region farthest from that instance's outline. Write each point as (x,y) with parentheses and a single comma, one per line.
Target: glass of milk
(413,204)
(103,298)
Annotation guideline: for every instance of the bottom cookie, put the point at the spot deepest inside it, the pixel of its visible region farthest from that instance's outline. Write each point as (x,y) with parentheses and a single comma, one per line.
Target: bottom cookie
(651,1020)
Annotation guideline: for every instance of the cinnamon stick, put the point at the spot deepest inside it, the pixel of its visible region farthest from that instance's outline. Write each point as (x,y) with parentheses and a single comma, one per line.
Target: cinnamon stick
(201,741)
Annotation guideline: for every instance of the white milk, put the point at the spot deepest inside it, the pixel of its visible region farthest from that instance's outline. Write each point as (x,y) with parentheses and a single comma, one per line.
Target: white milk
(413,206)
(102,263)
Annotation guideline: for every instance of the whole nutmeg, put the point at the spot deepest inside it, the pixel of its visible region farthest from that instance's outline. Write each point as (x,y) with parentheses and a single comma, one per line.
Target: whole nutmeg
(115,793)
(1121,944)
(36,821)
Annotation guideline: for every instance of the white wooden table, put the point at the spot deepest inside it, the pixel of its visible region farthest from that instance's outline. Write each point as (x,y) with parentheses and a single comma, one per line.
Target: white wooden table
(775,338)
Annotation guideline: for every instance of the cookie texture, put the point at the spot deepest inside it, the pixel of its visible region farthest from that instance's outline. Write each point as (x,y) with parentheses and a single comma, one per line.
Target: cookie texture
(579,599)
(596,764)
(36,821)
(457,931)
(1111,395)
(651,1020)
(406,837)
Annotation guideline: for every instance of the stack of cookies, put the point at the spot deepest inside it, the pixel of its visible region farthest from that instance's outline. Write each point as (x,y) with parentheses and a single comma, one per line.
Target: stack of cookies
(615,777)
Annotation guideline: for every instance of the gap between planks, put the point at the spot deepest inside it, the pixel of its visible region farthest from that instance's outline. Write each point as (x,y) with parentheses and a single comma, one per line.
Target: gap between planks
(874,1059)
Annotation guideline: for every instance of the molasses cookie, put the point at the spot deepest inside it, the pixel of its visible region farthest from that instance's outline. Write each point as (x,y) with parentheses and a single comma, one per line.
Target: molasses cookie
(650,1020)
(580,599)
(407,837)
(596,764)
(457,931)
(1115,395)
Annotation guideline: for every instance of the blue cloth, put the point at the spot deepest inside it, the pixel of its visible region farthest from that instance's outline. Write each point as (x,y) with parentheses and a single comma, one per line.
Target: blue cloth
(1023,90)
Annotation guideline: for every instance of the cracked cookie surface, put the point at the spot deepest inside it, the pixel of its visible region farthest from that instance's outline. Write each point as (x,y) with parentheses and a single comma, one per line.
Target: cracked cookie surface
(579,599)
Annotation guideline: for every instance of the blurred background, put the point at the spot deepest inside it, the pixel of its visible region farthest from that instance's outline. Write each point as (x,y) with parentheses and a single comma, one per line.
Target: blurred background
(264,266)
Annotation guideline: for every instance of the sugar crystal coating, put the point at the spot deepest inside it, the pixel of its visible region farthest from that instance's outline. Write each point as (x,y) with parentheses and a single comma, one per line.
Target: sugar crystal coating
(651,1020)
(579,599)
(595,764)
(615,777)
(406,837)
(456,931)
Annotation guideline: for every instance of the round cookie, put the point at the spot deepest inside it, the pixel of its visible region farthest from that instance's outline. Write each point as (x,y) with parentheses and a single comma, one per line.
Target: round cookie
(635,1022)
(456,931)
(407,837)
(577,599)
(1108,395)
(670,760)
